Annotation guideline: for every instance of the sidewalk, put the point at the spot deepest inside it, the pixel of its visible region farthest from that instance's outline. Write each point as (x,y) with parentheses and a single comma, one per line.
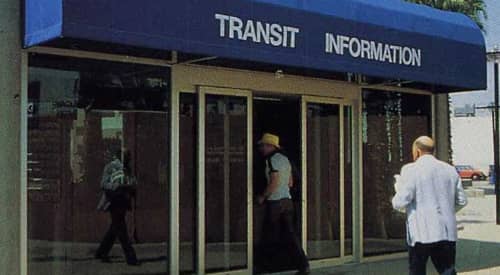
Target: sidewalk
(478,250)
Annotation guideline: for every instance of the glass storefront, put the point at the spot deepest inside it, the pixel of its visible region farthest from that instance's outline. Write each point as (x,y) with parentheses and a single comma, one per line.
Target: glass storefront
(130,168)
(391,122)
(98,167)
(215,237)
(226,183)
(323,181)
(329,143)
(99,170)
(348,180)
(187,182)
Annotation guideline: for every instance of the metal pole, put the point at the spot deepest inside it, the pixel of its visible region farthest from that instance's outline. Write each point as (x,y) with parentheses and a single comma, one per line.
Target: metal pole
(496,144)
(494,131)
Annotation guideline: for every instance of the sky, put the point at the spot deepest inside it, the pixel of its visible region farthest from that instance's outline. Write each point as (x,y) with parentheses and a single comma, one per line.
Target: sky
(493,24)
(492,37)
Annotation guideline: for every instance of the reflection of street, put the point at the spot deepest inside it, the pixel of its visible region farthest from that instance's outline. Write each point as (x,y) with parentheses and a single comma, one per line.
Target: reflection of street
(48,256)
(478,249)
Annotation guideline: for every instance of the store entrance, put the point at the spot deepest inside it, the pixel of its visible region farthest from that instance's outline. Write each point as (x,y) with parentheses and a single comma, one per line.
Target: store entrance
(316,135)
(280,116)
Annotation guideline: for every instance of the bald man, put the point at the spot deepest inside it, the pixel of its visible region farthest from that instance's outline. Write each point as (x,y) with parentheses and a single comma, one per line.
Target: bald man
(431,192)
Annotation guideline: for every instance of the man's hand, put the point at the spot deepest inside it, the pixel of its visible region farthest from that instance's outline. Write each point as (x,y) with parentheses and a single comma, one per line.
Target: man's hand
(261,199)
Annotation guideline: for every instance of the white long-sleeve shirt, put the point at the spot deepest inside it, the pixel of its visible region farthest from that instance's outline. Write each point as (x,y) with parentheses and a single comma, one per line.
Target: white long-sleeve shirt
(431,192)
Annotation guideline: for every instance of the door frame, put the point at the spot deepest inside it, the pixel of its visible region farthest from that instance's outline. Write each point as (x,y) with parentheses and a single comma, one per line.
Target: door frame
(203,91)
(341,103)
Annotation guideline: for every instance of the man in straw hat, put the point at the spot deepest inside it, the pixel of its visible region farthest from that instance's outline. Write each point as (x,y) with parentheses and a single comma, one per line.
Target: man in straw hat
(278,229)
(431,192)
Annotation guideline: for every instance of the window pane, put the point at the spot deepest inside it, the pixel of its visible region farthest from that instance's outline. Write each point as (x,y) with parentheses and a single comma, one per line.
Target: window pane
(391,122)
(188,182)
(98,138)
(348,159)
(226,185)
(323,181)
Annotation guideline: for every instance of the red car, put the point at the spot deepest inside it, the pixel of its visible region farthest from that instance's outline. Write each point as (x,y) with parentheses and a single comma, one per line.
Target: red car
(469,172)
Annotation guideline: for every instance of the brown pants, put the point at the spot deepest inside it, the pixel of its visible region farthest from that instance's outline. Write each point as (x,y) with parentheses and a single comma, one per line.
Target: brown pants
(279,236)
(117,229)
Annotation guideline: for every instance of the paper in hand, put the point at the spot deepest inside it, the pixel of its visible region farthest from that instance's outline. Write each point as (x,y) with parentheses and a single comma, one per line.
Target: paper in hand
(397,183)
(397,187)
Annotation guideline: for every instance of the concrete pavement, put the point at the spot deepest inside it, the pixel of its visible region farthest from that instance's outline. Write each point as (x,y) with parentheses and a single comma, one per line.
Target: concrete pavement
(478,249)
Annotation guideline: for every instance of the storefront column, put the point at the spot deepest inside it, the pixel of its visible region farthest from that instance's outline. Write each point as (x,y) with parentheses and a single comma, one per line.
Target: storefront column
(10,150)
(442,133)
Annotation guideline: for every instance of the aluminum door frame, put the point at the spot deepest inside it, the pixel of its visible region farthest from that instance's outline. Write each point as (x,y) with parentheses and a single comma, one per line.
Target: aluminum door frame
(203,91)
(341,103)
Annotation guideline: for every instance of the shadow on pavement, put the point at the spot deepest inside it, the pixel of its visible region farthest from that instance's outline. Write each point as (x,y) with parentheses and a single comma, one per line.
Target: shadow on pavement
(476,255)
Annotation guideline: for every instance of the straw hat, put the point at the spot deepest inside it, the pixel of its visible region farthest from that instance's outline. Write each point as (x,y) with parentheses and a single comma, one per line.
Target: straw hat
(270,139)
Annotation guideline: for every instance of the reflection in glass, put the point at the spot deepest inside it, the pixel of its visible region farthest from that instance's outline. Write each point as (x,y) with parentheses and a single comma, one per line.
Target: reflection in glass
(86,115)
(118,189)
(226,183)
(187,182)
(323,181)
(391,122)
(348,166)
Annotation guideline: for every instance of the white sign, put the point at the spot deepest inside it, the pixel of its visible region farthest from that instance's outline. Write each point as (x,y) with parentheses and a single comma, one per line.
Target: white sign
(371,50)
(278,35)
(256,31)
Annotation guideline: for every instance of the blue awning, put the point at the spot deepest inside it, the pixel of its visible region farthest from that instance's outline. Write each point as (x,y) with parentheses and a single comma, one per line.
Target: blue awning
(387,39)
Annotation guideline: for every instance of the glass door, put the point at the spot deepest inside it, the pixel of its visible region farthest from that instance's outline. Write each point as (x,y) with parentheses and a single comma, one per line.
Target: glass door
(327,173)
(224,180)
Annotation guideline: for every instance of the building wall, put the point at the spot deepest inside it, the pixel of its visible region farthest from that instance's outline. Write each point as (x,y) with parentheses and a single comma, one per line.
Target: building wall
(10,101)
(472,139)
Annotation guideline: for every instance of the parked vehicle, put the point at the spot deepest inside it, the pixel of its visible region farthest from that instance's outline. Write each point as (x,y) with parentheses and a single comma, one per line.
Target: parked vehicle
(469,172)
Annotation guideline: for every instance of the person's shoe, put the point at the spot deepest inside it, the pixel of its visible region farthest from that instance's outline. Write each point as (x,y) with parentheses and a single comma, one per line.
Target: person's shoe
(305,271)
